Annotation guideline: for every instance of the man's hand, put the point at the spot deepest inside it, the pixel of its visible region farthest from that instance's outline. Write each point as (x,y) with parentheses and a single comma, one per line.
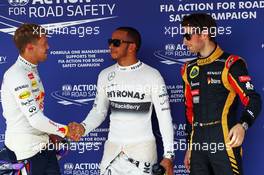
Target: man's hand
(187,160)
(236,136)
(75,131)
(168,165)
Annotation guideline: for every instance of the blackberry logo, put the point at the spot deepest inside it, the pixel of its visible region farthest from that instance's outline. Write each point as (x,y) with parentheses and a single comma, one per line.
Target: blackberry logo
(18,2)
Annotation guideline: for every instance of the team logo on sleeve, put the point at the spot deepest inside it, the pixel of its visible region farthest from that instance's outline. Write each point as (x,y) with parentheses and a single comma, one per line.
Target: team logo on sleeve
(244,79)
(24,95)
(249,86)
(63,130)
(111,76)
(194,71)
(31,76)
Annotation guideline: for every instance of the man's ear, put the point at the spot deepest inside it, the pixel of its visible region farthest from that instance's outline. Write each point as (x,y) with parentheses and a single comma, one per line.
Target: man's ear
(205,36)
(133,47)
(29,47)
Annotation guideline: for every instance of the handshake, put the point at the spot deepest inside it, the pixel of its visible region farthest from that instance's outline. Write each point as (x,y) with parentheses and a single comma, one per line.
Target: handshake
(75,131)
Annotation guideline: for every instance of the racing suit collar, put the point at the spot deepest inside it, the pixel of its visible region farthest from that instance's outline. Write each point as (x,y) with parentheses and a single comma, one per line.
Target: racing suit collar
(212,57)
(25,63)
(132,67)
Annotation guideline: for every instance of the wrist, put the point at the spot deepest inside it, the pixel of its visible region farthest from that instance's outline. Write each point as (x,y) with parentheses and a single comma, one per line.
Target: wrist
(245,125)
(169,156)
(84,128)
(66,131)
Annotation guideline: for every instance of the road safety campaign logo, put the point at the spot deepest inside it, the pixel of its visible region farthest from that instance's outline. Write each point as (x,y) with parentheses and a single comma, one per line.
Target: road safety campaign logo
(2,138)
(78,94)
(174,54)
(18,2)
(85,11)
(3,59)
(91,168)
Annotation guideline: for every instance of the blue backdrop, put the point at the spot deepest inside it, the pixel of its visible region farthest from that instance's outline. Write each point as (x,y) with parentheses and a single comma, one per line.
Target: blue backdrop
(78,31)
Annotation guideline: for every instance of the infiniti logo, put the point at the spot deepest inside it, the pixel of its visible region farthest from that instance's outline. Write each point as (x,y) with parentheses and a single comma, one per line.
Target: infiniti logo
(18,2)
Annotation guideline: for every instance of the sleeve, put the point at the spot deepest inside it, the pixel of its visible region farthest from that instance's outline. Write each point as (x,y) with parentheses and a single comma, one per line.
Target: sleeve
(21,88)
(100,107)
(160,100)
(188,103)
(240,81)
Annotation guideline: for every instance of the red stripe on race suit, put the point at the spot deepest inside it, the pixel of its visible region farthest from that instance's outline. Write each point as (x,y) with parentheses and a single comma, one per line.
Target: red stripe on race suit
(189,103)
(195,92)
(244,99)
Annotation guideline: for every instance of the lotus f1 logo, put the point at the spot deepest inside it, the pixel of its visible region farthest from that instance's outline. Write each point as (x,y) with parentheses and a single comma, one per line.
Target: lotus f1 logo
(18,2)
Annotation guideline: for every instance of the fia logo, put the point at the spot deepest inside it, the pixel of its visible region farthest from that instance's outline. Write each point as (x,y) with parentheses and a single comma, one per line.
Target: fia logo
(18,2)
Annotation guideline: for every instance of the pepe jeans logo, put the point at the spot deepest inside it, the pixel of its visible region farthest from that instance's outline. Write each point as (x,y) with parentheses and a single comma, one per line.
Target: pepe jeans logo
(194,72)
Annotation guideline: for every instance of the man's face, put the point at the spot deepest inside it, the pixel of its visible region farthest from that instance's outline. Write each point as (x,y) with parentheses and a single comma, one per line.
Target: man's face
(192,40)
(40,49)
(119,49)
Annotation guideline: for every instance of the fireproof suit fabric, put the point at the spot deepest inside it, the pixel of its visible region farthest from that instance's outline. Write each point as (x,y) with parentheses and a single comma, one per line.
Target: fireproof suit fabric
(131,92)
(122,165)
(22,101)
(212,86)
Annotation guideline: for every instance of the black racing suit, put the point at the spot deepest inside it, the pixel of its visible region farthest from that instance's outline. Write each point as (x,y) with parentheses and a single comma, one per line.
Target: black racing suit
(212,86)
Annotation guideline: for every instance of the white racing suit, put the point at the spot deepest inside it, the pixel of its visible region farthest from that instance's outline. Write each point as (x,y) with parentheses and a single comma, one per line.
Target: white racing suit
(22,100)
(131,93)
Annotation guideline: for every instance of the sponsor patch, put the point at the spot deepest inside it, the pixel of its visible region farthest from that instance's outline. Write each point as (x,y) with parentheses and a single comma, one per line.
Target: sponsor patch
(21,87)
(24,95)
(195,92)
(62,130)
(194,72)
(195,84)
(111,76)
(31,76)
(34,83)
(211,80)
(27,103)
(40,96)
(251,113)
(244,78)
(196,99)
(214,73)
(249,86)
(32,109)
